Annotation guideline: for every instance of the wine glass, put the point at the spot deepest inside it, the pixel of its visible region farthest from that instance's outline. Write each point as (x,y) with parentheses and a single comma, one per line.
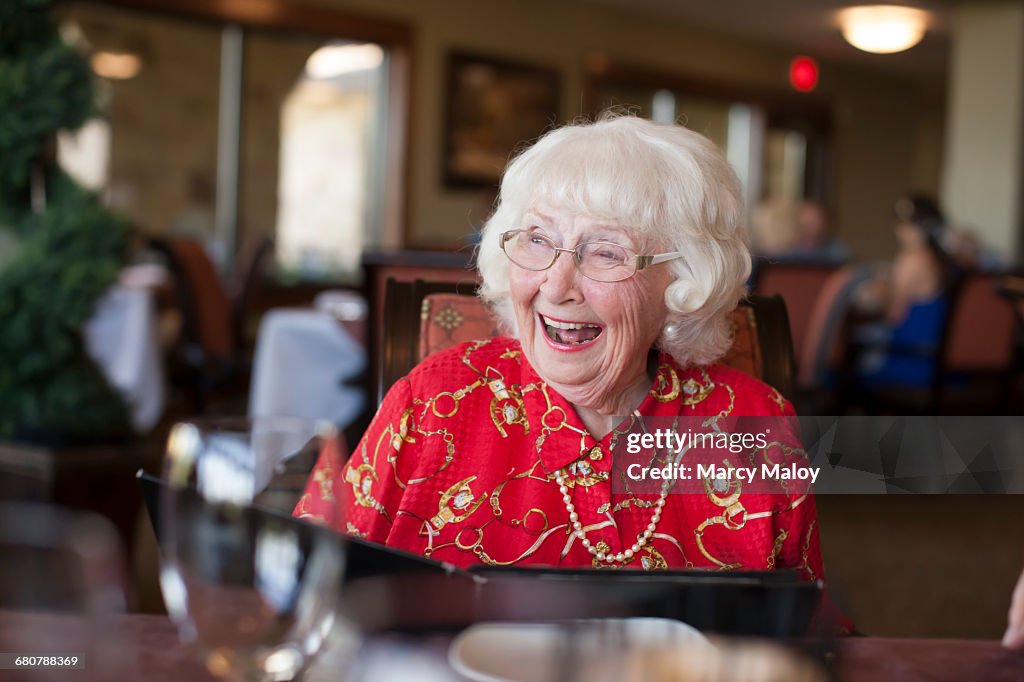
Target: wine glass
(253,588)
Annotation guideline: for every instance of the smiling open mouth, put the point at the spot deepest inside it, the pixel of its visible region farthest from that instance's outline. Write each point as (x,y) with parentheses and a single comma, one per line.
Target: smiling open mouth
(570,333)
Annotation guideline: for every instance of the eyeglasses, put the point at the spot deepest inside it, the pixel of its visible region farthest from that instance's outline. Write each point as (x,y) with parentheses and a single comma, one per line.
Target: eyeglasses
(600,261)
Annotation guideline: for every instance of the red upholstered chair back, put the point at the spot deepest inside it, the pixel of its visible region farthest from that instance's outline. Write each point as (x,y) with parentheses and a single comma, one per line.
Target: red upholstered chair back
(450,319)
(982,322)
(447,320)
(761,343)
(798,284)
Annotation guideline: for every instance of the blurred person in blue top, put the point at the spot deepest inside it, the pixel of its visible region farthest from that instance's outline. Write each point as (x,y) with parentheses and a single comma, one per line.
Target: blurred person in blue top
(912,296)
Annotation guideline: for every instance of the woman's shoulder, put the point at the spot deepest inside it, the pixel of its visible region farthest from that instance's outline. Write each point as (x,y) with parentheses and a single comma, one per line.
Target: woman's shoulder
(752,396)
(467,361)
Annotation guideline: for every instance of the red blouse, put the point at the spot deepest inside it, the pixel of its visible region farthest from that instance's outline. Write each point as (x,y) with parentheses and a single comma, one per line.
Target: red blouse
(460,465)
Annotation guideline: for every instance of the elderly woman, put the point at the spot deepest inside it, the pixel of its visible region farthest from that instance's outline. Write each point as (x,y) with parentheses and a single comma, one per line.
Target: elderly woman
(613,257)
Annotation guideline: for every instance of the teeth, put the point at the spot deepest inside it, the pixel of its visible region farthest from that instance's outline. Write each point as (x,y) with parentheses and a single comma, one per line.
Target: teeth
(567,325)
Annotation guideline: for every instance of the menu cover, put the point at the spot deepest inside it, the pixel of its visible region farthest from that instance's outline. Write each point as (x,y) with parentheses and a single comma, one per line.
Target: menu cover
(387,588)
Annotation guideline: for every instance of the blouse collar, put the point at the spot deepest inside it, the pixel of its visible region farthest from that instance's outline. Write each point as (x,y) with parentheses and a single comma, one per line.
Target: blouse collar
(557,428)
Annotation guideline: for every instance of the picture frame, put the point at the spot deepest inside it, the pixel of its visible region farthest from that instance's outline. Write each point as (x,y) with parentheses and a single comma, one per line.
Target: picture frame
(494,107)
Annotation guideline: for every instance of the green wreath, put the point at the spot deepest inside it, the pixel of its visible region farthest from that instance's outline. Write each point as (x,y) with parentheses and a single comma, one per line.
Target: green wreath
(55,261)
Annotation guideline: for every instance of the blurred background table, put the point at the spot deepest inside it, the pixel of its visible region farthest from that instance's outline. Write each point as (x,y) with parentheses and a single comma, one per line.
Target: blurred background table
(308,362)
(123,339)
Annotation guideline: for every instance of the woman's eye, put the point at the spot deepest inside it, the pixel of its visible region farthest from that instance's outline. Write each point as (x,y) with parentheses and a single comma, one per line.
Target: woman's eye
(610,255)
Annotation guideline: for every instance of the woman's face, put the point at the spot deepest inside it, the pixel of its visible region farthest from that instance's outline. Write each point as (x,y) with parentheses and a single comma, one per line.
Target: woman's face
(909,234)
(587,339)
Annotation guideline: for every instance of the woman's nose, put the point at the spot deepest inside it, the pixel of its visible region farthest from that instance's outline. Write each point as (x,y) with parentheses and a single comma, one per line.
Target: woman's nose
(562,280)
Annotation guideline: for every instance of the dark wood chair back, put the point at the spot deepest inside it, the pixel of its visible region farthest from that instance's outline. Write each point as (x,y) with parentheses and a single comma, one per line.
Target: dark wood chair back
(244,289)
(400,326)
(206,356)
(421,318)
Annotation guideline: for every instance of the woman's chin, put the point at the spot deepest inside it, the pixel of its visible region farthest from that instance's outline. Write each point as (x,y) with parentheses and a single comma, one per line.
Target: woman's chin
(566,367)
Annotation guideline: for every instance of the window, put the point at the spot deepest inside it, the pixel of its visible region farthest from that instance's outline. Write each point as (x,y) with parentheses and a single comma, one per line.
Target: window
(329,200)
(234,130)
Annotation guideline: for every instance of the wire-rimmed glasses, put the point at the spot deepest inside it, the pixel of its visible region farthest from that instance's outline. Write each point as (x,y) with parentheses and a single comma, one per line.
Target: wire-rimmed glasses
(599,261)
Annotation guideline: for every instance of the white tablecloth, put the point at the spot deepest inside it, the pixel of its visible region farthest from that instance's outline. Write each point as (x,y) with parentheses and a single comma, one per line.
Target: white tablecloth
(122,338)
(303,359)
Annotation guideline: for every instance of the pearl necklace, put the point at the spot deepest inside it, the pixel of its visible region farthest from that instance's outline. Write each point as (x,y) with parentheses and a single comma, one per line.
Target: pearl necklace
(610,558)
(641,541)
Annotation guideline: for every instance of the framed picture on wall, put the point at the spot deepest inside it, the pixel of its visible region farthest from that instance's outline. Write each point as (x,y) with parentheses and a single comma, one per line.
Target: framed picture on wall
(493,107)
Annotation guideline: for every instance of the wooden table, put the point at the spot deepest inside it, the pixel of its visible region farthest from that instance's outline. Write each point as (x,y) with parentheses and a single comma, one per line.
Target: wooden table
(862,659)
(146,647)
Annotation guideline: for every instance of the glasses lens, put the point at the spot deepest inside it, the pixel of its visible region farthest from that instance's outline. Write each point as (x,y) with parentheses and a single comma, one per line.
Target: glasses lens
(606,262)
(530,251)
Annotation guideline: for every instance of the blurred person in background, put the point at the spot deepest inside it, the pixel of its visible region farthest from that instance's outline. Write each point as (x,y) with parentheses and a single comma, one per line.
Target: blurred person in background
(795,232)
(817,241)
(912,298)
(969,250)
(921,269)
(774,229)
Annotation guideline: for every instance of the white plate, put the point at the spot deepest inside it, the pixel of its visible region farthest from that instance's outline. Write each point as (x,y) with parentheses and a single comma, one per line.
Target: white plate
(515,652)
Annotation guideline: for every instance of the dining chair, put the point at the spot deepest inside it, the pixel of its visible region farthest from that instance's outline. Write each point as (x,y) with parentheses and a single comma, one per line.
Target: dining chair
(207,354)
(402,314)
(979,349)
(798,284)
(820,366)
(421,318)
(970,365)
(245,286)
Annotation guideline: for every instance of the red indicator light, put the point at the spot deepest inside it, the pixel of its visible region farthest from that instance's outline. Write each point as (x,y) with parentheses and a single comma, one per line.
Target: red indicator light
(803,74)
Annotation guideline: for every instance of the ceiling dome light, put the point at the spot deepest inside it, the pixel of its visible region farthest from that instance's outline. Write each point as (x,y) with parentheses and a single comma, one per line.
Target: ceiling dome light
(334,60)
(883,29)
(118,66)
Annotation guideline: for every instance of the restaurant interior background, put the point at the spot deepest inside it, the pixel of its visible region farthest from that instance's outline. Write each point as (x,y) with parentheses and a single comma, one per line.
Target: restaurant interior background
(340,130)
(881,120)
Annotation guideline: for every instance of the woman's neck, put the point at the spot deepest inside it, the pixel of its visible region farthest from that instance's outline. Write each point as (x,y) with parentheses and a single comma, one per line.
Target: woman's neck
(601,420)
